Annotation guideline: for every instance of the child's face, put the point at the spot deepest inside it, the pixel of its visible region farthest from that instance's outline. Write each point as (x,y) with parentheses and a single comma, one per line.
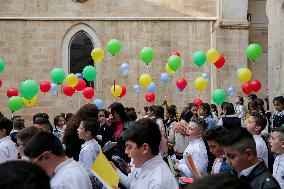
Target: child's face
(102,117)
(251,126)
(278,106)
(201,112)
(82,132)
(276,145)
(237,100)
(193,131)
(137,154)
(215,148)
(194,110)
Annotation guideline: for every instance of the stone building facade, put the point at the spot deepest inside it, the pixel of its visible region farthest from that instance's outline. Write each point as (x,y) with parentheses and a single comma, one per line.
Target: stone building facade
(35,38)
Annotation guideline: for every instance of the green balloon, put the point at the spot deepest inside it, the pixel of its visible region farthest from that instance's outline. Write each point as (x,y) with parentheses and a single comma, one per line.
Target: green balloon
(147,55)
(15,103)
(113,47)
(58,75)
(2,65)
(219,96)
(29,89)
(254,51)
(89,73)
(199,58)
(174,62)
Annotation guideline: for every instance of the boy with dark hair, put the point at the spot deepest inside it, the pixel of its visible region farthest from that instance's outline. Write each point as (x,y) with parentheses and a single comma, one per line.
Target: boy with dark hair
(255,124)
(230,120)
(8,150)
(142,145)
(277,146)
(213,138)
(46,150)
(43,125)
(42,115)
(18,124)
(240,149)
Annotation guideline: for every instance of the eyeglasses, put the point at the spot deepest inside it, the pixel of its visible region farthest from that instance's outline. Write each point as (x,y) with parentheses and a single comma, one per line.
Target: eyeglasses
(39,157)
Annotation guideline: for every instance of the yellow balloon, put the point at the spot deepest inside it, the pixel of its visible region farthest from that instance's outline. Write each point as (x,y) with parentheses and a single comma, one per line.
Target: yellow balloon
(98,54)
(116,90)
(244,75)
(169,70)
(145,80)
(212,55)
(200,83)
(71,80)
(30,103)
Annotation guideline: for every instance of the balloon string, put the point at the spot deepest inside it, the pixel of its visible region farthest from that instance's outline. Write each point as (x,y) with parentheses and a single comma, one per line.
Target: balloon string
(253,67)
(137,104)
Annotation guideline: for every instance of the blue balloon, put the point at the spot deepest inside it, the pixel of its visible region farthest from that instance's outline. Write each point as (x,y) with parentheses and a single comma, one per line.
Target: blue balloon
(165,78)
(136,88)
(80,76)
(124,69)
(53,89)
(230,90)
(99,103)
(152,87)
(206,76)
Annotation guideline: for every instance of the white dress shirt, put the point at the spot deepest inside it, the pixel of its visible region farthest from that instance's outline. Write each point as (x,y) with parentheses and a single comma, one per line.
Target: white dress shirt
(154,174)
(261,149)
(88,154)
(8,150)
(248,170)
(278,170)
(197,150)
(216,166)
(70,175)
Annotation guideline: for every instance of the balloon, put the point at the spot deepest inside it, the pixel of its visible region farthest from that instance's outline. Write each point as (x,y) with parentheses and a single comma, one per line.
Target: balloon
(219,96)
(15,103)
(147,55)
(244,75)
(220,62)
(230,91)
(206,76)
(124,69)
(198,102)
(80,85)
(113,47)
(116,90)
(212,55)
(57,75)
(247,88)
(80,76)
(178,90)
(53,89)
(88,92)
(174,62)
(145,80)
(29,89)
(123,91)
(99,103)
(44,86)
(89,73)
(169,70)
(165,78)
(71,80)
(12,92)
(199,58)
(200,83)
(2,65)
(68,91)
(256,85)
(150,97)
(30,103)
(254,51)
(0,82)
(152,87)
(98,54)
(136,88)
(175,53)
(181,83)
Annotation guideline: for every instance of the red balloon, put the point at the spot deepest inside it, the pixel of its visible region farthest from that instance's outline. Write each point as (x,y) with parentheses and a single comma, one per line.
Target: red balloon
(150,97)
(12,92)
(123,92)
(220,62)
(175,53)
(247,88)
(181,83)
(0,82)
(198,102)
(88,92)
(256,85)
(44,86)
(80,85)
(68,91)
